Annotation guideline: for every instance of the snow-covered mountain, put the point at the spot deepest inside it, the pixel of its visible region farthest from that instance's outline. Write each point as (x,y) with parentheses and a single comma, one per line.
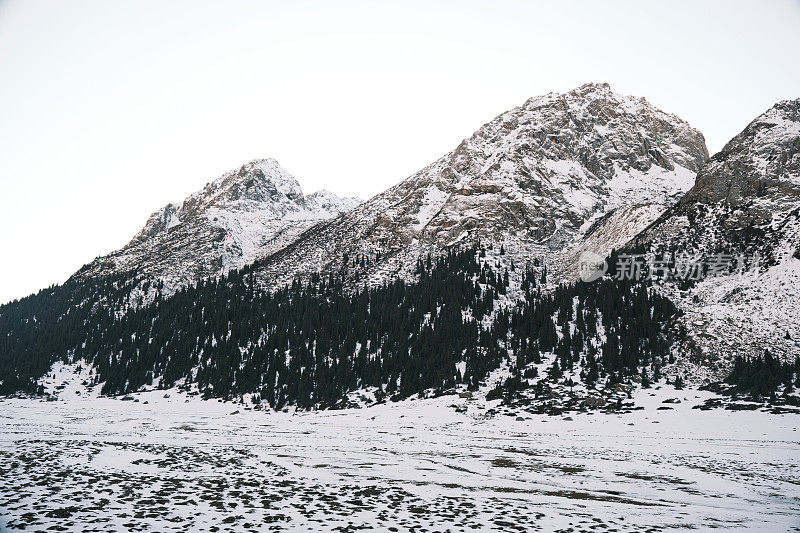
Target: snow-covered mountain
(588,170)
(243,215)
(534,179)
(744,211)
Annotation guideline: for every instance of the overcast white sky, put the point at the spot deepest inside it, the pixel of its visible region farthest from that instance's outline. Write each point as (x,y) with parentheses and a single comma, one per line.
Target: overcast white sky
(111,109)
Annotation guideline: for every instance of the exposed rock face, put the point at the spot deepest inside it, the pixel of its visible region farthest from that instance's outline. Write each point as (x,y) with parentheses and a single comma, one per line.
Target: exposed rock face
(746,198)
(243,215)
(533,178)
(758,167)
(611,231)
(745,209)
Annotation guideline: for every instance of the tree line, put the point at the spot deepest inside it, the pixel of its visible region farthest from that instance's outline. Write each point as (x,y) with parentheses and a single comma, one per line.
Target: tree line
(314,341)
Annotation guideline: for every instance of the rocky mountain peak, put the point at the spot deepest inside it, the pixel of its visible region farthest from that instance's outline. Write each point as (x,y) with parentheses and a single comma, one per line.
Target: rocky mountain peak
(593,116)
(759,164)
(244,214)
(533,177)
(573,155)
(325,200)
(261,181)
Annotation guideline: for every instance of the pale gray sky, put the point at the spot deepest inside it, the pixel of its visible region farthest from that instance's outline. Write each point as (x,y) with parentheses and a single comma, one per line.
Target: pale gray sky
(111,109)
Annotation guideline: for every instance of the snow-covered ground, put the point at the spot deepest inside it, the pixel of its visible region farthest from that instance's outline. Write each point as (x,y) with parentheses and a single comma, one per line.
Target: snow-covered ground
(174,463)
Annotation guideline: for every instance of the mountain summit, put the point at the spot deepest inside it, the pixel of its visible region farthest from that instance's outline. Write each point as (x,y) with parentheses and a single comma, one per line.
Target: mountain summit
(245,214)
(532,179)
(758,167)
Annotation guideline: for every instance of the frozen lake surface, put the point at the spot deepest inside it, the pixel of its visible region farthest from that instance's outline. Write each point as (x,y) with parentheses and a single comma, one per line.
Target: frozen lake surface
(178,464)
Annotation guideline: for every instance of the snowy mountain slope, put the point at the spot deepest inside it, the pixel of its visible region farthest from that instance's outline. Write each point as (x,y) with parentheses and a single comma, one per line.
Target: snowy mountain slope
(744,209)
(245,214)
(530,179)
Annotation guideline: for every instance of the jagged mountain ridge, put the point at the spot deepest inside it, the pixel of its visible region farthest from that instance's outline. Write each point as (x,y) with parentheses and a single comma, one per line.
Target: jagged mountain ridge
(534,179)
(243,215)
(745,204)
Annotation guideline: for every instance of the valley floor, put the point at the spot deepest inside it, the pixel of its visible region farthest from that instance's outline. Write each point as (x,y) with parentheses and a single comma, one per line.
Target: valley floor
(178,464)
